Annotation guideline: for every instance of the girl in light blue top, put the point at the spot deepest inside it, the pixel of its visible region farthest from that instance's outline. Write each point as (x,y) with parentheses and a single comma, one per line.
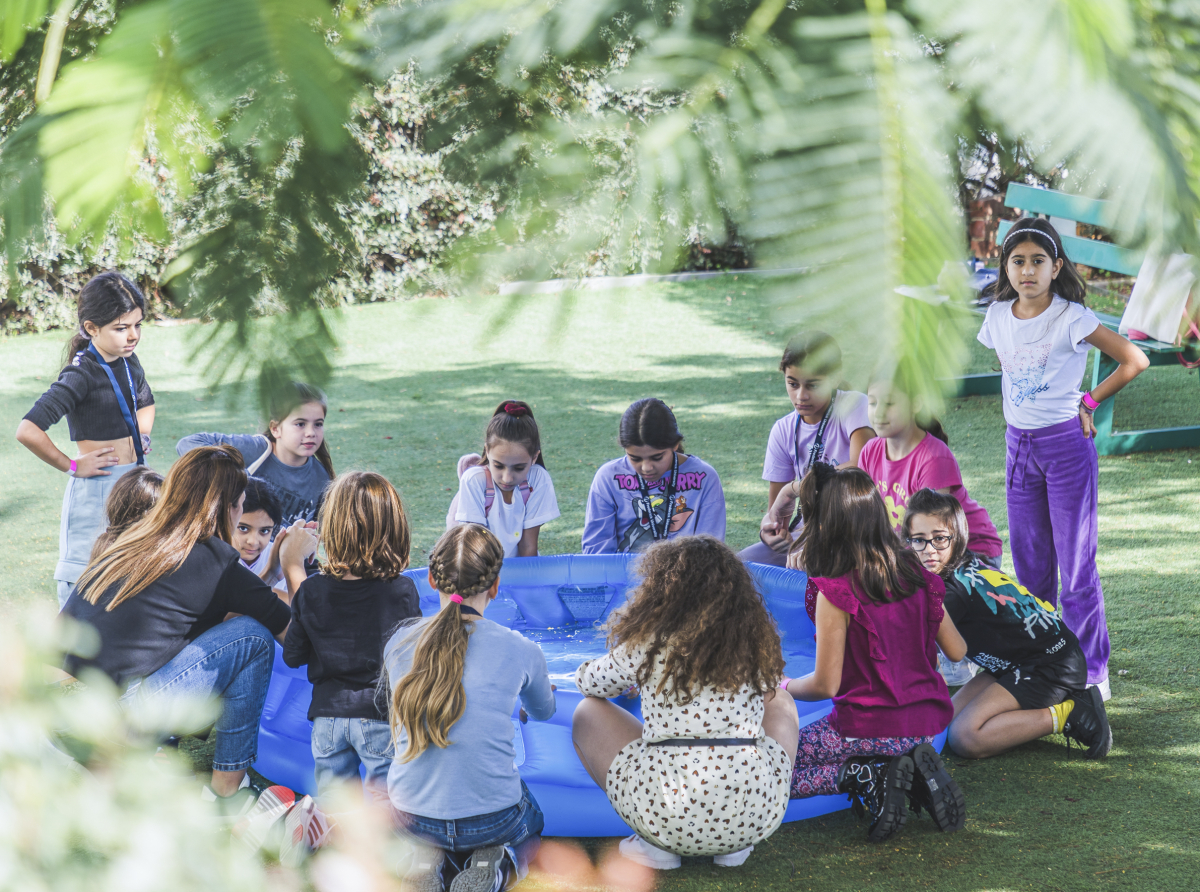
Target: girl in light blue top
(457,673)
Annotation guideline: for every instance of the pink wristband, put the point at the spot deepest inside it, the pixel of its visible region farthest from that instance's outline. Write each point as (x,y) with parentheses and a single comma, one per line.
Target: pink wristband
(1090,403)
(783,684)
(71,470)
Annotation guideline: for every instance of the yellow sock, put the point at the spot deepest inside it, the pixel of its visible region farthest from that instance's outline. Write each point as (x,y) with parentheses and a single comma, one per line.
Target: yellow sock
(1059,713)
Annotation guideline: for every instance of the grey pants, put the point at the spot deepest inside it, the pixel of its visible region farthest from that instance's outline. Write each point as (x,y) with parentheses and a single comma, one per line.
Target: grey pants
(758,553)
(83,519)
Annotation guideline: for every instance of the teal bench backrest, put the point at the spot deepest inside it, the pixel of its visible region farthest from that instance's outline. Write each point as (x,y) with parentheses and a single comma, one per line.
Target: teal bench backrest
(1089,252)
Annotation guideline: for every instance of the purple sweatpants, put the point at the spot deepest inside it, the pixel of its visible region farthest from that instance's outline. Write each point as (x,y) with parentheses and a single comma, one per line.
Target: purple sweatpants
(823,751)
(1051,483)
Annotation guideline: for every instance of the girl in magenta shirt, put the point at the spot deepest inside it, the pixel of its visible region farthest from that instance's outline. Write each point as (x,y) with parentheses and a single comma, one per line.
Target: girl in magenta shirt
(878,614)
(911,453)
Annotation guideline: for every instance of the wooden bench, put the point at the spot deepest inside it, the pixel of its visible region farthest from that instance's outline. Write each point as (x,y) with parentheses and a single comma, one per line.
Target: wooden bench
(1105,256)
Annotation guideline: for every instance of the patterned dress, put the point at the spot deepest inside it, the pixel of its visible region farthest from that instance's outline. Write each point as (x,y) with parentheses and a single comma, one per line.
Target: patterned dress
(692,800)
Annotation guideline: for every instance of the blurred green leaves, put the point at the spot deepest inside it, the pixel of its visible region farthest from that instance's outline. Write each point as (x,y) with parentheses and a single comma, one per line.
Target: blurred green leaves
(178,89)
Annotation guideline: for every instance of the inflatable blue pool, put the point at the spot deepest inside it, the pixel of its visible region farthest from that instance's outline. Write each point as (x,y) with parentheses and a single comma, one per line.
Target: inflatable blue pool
(558,601)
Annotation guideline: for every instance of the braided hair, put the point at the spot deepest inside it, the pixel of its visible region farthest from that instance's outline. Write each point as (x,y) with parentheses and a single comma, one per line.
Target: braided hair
(430,698)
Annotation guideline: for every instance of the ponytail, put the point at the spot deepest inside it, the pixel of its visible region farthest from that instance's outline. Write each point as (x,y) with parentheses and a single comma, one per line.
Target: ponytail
(430,698)
(104,299)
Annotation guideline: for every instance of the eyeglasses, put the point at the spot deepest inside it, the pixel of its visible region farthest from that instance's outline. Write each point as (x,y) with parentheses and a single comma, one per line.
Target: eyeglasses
(939,543)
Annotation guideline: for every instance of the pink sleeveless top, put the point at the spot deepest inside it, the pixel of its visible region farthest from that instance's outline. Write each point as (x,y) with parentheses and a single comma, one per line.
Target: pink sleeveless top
(890,683)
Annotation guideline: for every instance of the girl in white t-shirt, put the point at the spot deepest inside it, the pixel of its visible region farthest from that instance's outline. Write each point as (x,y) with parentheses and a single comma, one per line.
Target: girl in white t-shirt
(1041,331)
(507,489)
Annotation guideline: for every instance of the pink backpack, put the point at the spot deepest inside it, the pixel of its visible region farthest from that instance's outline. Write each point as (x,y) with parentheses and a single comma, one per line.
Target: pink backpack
(489,492)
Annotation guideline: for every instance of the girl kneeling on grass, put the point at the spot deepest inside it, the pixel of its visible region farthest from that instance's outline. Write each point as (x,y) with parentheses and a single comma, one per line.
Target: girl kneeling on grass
(707,773)
(341,619)
(654,491)
(507,489)
(1034,681)
(878,614)
(458,672)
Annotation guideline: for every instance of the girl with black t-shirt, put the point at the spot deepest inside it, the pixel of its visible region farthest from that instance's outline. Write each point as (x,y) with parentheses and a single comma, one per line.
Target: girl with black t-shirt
(103,393)
(1034,678)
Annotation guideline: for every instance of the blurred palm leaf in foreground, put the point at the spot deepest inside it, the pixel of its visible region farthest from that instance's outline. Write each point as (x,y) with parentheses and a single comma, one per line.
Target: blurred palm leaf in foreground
(180,89)
(821,134)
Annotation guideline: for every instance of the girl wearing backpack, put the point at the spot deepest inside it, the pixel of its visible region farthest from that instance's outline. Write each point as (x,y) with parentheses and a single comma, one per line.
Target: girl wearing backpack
(507,489)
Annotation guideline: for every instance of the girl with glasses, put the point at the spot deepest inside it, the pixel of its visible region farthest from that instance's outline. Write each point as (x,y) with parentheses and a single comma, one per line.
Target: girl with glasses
(1034,678)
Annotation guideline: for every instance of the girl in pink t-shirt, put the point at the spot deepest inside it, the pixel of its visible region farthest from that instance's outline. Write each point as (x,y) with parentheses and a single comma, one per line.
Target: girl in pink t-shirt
(912,452)
(878,614)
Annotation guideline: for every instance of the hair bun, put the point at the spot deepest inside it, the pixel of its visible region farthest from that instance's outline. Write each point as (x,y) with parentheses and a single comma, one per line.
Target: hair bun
(515,409)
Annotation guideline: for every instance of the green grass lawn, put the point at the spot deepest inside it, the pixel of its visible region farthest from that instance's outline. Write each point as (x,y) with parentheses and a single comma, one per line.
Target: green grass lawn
(415,383)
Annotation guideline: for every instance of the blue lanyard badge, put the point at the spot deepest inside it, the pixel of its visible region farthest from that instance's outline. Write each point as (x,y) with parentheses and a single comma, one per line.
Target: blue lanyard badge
(130,417)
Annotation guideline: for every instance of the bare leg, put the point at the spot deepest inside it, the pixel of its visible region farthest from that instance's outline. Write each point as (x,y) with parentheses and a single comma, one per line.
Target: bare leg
(993,722)
(226,783)
(970,691)
(600,730)
(781,722)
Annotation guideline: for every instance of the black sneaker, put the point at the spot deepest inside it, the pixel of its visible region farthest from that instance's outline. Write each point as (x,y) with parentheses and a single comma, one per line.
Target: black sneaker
(934,790)
(878,786)
(1088,724)
(484,871)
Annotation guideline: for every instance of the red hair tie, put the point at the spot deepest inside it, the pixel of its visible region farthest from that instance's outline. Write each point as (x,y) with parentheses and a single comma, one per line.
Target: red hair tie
(515,409)
(457,599)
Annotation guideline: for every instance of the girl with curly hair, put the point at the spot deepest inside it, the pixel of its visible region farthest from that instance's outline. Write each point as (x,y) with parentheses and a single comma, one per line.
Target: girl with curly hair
(707,773)
(879,620)
(461,797)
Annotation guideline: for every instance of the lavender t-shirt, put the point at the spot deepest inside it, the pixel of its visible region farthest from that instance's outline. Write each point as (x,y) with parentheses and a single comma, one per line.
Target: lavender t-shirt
(788,448)
(616,519)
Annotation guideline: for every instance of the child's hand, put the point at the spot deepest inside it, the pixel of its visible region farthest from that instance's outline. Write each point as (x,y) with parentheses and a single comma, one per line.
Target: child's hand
(299,544)
(1086,421)
(773,533)
(793,560)
(94,464)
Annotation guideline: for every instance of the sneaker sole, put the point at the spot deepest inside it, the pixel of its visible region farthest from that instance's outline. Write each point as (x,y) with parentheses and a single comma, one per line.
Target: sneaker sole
(425,872)
(897,783)
(935,790)
(668,861)
(483,872)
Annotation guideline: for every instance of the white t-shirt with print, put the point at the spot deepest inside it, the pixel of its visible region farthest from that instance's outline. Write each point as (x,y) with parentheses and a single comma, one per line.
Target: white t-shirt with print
(507,522)
(1043,359)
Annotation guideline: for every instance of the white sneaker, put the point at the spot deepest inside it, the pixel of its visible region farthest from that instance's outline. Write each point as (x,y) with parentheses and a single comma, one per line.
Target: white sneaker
(733,859)
(641,852)
(955,673)
(1104,688)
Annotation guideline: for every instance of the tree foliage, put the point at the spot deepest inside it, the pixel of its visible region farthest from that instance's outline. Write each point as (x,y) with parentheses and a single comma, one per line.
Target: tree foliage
(823,136)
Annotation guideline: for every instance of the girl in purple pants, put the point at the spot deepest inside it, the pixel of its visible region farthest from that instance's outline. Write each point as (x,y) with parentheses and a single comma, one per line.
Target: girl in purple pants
(1041,331)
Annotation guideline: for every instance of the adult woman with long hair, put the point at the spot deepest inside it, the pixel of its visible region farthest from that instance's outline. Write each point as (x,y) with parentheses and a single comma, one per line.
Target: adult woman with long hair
(156,598)
(708,772)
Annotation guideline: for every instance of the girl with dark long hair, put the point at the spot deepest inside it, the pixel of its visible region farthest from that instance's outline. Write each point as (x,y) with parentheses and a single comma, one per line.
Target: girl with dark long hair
(879,622)
(103,394)
(507,489)
(1041,332)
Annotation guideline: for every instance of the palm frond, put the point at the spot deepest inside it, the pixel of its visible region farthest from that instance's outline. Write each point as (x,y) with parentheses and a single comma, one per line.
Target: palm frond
(17,18)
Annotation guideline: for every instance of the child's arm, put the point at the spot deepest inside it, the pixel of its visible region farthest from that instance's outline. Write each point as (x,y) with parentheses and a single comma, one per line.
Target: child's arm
(528,546)
(826,680)
(1132,362)
(537,696)
(950,641)
(297,646)
(858,440)
(604,677)
(600,520)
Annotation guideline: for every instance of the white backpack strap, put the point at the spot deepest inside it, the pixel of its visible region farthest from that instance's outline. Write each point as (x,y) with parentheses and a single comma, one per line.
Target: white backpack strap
(257,463)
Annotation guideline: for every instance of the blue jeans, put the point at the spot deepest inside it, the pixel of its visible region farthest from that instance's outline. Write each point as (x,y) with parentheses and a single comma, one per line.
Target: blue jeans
(231,661)
(517,828)
(340,745)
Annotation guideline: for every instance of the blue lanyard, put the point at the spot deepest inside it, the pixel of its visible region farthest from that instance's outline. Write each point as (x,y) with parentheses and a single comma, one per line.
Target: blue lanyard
(130,417)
